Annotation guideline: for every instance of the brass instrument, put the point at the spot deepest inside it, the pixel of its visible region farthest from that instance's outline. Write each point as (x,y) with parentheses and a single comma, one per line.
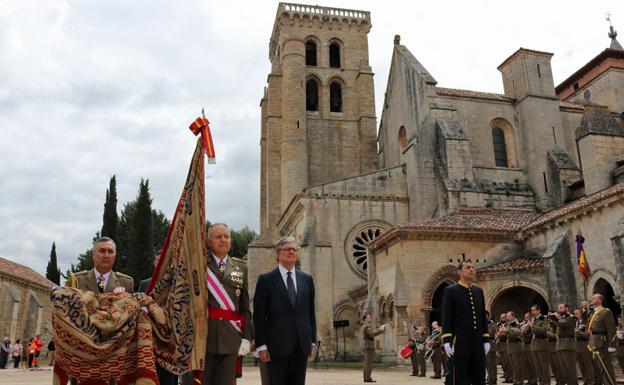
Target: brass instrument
(429,343)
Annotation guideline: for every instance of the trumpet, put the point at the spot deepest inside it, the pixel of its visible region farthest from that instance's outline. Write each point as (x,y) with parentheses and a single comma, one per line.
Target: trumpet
(429,343)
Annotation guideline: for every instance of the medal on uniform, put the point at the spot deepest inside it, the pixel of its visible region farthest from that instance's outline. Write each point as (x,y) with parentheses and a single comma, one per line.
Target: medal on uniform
(237,280)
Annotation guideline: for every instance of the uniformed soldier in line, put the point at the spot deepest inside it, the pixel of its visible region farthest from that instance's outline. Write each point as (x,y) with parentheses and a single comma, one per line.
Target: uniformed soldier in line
(501,346)
(225,343)
(539,345)
(530,372)
(552,347)
(464,327)
(566,346)
(417,344)
(583,355)
(102,278)
(619,332)
(490,358)
(369,346)
(602,337)
(514,347)
(438,354)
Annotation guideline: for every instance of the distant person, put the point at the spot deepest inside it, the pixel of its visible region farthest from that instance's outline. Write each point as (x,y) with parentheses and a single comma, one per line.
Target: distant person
(284,317)
(31,352)
(38,347)
(5,348)
(51,350)
(16,353)
(369,346)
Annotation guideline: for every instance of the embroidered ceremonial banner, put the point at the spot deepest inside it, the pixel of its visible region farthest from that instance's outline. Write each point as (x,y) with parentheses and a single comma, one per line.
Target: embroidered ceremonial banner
(179,281)
(100,337)
(583,264)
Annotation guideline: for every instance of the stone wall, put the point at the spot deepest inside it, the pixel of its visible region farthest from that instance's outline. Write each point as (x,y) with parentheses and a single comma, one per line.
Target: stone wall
(24,310)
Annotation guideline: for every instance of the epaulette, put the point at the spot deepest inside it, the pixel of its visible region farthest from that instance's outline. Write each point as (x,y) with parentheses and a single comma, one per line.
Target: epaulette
(541,317)
(122,275)
(243,261)
(82,272)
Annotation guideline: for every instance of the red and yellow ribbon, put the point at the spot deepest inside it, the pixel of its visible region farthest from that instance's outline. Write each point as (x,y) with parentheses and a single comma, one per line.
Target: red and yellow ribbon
(202,126)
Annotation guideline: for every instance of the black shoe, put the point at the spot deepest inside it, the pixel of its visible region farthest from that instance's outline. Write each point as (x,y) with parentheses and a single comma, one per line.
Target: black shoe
(436,377)
(371,380)
(421,375)
(413,374)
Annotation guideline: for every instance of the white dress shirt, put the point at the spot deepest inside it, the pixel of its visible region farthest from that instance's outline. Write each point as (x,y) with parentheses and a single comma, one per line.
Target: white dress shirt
(218,260)
(98,275)
(284,272)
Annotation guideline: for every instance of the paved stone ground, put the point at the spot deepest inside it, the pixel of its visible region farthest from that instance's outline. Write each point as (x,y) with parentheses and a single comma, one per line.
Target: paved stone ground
(395,376)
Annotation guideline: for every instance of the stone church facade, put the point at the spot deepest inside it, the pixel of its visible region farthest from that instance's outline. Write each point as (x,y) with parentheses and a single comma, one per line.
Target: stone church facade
(383,215)
(25,307)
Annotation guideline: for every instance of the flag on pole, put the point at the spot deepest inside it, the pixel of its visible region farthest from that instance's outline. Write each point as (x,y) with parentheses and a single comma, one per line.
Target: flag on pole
(202,126)
(583,264)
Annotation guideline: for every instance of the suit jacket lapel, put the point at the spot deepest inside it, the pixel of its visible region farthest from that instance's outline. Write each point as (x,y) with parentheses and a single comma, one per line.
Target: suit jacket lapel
(112,283)
(300,285)
(278,281)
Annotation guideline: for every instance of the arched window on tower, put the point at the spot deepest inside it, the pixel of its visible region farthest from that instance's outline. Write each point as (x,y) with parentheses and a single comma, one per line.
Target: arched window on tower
(500,148)
(312,95)
(310,48)
(334,55)
(402,138)
(335,97)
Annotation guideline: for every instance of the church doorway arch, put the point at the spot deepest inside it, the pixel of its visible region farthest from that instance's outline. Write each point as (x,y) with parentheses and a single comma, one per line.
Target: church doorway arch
(602,286)
(436,304)
(518,299)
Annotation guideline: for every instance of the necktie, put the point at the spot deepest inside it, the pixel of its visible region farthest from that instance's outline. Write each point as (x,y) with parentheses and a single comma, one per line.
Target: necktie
(292,294)
(101,283)
(222,266)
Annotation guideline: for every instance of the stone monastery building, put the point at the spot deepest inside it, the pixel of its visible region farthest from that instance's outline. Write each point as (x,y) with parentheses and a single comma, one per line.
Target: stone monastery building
(383,214)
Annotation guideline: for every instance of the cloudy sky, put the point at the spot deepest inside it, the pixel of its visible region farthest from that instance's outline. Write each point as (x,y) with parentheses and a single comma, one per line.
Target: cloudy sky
(91,89)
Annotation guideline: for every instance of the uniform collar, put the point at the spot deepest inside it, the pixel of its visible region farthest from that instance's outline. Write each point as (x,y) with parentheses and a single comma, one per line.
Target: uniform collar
(463,284)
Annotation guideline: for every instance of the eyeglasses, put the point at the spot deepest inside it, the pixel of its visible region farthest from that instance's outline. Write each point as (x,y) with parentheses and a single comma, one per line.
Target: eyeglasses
(289,249)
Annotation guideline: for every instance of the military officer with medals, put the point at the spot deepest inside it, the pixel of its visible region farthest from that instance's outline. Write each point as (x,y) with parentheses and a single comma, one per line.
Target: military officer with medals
(464,327)
(602,338)
(566,346)
(229,324)
(539,344)
(583,355)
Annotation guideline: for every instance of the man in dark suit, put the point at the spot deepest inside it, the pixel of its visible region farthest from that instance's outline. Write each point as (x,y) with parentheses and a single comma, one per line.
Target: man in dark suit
(464,327)
(284,319)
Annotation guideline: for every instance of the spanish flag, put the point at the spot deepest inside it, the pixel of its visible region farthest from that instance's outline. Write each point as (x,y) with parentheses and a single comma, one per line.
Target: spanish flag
(583,265)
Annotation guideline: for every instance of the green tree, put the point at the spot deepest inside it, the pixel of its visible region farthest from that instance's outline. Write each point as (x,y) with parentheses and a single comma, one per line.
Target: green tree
(110,219)
(85,259)
(141,248)
(52,271)
(241,240)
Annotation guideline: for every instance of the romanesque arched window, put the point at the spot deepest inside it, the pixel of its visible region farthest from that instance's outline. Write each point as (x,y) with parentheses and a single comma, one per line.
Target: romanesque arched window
(402,138)
(334,55)
(335,97)
(312,95)
(500,148)
(310,48)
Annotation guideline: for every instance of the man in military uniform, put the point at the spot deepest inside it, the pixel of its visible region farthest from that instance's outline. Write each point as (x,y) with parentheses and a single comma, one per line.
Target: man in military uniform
(490,358)
(501,346)
(619,332)
(464,327)
(514,347)
(418,356)
(530,372)
(583,355)
(602,338)
(436,345)
(552,348)
(229,324)
(102,278)
(539,344)
(369,346)
(566,346)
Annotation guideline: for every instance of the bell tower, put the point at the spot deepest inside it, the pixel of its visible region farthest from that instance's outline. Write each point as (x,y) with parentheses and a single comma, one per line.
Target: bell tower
(318,110)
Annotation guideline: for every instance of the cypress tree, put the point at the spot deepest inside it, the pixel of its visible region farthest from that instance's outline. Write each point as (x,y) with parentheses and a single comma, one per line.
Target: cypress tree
(110,219)
(52,271)
(141,251)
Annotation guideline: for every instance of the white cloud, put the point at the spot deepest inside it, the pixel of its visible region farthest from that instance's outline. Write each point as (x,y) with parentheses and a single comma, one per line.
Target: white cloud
(92,89)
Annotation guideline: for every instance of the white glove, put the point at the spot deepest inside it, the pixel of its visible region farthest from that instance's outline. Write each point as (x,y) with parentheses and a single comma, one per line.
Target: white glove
(611,350)
(245,347)
(486,347)
(382,327)
(449,349)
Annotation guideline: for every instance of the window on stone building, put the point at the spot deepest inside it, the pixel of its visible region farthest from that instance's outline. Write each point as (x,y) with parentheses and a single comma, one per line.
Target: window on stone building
(310,48)
(335,97)
(402,138)
(500,149)
(334,55)
(312,95)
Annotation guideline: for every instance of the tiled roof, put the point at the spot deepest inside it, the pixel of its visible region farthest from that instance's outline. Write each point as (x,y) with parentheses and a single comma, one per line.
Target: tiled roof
(517,264)
(578,205)
(473,94)
(22,272)
(478,219)
(593,63)
(598,120)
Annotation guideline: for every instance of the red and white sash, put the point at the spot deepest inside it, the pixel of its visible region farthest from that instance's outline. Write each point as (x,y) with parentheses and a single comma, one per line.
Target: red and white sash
(220,294)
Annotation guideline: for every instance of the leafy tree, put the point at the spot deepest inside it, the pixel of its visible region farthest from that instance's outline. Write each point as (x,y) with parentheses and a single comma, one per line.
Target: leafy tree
(241,240)
(52,271)
(85,259)
(110,218)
